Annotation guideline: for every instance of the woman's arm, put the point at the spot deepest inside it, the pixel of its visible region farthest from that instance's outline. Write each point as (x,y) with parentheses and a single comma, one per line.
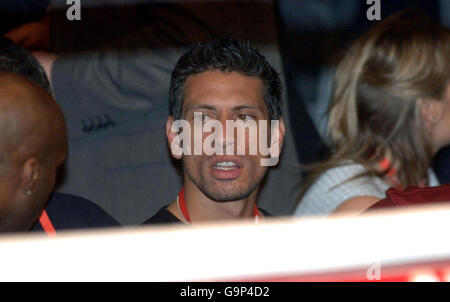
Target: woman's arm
(356,205)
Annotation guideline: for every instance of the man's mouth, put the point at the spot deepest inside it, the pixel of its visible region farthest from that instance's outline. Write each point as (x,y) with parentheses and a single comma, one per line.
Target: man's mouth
(226,169)
(226,165)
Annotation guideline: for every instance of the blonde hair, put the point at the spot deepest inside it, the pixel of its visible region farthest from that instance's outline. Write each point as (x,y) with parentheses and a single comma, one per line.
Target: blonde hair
(377,86)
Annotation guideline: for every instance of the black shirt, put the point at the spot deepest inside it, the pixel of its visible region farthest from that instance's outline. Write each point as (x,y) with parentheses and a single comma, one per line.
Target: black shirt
(69,212)
(165,216)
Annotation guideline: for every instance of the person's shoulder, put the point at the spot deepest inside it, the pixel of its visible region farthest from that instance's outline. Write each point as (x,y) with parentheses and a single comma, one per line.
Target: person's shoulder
(337,185)
(339,174)
(67,211)
(345,168)
(163,216)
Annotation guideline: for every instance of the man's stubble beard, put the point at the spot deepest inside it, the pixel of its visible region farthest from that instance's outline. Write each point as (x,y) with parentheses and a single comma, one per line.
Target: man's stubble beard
(226,197)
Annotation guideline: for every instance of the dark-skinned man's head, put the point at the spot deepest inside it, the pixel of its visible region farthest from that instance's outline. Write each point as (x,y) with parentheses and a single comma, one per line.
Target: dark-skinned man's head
(33,145)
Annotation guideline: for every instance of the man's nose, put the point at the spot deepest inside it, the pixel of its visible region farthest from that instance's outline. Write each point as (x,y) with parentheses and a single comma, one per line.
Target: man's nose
(228,140)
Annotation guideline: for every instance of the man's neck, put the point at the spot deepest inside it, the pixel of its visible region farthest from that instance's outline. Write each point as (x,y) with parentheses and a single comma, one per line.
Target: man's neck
(201,208)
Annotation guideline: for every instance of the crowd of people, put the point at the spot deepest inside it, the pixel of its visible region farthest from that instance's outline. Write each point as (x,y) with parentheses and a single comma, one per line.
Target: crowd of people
(110,114)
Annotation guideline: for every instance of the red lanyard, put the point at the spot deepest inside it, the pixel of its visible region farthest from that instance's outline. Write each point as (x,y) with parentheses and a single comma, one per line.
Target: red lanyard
(385,164)
(185,213)
(47,224)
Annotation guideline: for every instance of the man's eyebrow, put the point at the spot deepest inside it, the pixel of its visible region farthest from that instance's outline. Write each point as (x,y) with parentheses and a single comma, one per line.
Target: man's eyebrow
(202,106)
(237,108)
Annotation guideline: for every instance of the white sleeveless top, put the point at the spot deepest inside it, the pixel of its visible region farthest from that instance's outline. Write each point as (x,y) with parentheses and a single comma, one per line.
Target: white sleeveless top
(332,188)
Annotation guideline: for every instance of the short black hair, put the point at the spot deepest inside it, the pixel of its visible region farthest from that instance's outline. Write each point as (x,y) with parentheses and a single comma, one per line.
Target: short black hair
(226,55)
(18,60)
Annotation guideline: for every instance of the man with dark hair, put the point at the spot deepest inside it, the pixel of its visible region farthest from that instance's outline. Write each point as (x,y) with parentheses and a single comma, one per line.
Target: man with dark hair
(116,97)
(63,211)
(221,81)
(226,55)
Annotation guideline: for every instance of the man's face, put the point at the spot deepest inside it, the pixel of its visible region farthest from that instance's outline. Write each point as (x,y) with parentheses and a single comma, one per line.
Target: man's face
(225,96)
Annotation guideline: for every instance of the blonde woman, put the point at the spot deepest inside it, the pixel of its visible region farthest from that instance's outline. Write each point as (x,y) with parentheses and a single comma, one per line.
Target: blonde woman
(389,115)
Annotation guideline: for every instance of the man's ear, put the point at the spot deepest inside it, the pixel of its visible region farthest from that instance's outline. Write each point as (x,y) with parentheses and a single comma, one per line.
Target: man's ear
(431,111)
(277,138)
(30,175)
(170,138)
(278,131)
(282,132)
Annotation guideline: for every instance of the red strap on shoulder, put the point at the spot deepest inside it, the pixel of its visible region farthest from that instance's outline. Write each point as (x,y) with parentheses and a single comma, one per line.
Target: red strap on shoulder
(385,165)
(183,207)
(46,224)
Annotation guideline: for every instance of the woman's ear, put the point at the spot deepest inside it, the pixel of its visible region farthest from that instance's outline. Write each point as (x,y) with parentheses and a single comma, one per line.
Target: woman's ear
(431,111)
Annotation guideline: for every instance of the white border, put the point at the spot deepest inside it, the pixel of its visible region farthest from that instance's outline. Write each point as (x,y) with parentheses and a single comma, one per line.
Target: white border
(230,251)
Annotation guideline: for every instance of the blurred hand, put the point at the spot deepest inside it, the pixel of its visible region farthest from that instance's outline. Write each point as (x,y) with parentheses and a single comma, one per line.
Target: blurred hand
(33,35)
